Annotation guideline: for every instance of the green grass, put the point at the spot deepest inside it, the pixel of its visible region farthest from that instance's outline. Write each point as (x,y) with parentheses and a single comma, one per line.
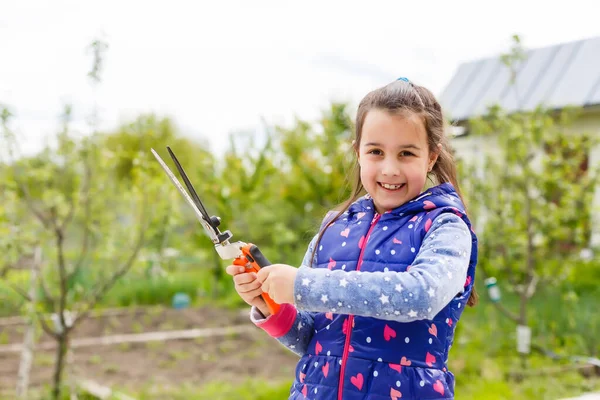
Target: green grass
(541,388)
(244,389)
(484,353)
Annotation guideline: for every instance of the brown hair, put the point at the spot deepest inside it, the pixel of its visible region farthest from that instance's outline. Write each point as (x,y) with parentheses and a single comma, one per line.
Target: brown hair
(405,98)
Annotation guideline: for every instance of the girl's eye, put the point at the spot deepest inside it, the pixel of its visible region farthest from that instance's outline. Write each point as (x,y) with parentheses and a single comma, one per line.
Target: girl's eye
(375,152)
(406,154)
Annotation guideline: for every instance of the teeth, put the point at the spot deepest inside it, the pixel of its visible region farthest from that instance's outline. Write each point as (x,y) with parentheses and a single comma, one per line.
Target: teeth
(391,187)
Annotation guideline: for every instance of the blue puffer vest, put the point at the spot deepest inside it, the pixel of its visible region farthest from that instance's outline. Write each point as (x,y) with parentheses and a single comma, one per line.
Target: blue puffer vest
(360,363)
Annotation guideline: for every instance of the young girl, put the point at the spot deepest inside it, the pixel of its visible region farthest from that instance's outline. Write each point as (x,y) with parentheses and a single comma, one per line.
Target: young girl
(373,309)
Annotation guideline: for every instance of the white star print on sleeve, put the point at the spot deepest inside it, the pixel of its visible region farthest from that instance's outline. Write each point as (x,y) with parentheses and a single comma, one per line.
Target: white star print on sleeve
(437,274)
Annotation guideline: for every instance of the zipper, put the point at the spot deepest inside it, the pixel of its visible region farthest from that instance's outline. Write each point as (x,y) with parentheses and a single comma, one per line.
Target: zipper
(351,317)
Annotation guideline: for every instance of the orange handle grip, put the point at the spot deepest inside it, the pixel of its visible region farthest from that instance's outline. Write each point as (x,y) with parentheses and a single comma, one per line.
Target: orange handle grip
(256,259)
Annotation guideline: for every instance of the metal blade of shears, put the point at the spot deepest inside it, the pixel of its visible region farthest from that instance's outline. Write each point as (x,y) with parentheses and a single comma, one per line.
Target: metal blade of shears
(191,189)
(203,217)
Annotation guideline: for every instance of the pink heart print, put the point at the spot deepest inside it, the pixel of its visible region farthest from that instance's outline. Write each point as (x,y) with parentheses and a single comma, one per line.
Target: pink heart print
(438,387)
(331,264)
(388,333)
(428,205)
(325,369)
(396,241)
(433,330)
(318,348)
(429,359)
(345,232)
(357,381)
(395,394)
(427,225)
(396,367)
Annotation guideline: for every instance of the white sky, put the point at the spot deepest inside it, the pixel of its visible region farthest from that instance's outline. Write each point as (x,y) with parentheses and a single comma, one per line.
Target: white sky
(219,66)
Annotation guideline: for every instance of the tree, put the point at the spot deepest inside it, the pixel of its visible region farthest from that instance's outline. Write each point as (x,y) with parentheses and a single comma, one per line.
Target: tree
(21,251)
(534,197)
(89,221)
(92,224)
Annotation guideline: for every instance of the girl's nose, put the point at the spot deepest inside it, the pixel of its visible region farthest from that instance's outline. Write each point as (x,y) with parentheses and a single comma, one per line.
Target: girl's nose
(390,168)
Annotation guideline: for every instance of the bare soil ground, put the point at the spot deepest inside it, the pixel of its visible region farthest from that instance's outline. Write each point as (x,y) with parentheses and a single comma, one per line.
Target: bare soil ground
(233,356)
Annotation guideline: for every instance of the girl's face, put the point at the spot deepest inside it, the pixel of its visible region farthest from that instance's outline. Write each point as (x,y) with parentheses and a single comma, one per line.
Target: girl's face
(394,158)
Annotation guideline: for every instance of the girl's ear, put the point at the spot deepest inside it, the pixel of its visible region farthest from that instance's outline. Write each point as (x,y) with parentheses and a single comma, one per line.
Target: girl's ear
(355,149)
(433,156)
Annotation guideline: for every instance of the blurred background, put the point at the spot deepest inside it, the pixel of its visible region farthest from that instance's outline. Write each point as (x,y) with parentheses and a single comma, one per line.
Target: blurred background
(109,287)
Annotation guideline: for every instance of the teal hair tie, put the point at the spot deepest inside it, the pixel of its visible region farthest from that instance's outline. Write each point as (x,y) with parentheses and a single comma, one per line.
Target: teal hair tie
(403,79)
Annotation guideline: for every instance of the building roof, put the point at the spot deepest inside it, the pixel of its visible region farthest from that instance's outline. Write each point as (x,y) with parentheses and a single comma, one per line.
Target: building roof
(566,74)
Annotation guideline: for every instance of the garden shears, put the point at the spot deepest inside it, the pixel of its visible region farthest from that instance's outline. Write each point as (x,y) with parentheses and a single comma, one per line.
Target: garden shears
(244,254)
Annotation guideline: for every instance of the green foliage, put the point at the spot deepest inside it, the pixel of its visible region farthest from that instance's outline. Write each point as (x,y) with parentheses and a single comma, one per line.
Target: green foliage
(87,216)
(18,232)
(10,302)
(243,390)
(286,186)
(535,194)
(532,196)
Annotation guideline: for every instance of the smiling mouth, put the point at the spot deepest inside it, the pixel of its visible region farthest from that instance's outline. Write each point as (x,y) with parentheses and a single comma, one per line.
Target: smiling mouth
(391,187)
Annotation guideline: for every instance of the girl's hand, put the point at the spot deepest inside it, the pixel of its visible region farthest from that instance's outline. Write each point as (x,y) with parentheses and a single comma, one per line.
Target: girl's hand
(278,282)
(248,287)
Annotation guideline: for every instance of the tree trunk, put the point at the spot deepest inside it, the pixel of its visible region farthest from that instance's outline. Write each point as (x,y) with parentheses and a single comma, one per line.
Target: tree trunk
(29,340)
(529,276)
(26,361)
(71,371)
(59,366)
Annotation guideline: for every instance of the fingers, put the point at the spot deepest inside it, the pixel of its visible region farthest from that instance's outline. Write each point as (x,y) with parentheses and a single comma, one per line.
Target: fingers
(240,275)
(264,272)
(245,278)
(246,282)
(251,294)
(234,270)
(250,285)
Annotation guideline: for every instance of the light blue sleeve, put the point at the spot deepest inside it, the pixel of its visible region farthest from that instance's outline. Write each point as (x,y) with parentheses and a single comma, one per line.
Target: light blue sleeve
(299,336)
(437,274)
